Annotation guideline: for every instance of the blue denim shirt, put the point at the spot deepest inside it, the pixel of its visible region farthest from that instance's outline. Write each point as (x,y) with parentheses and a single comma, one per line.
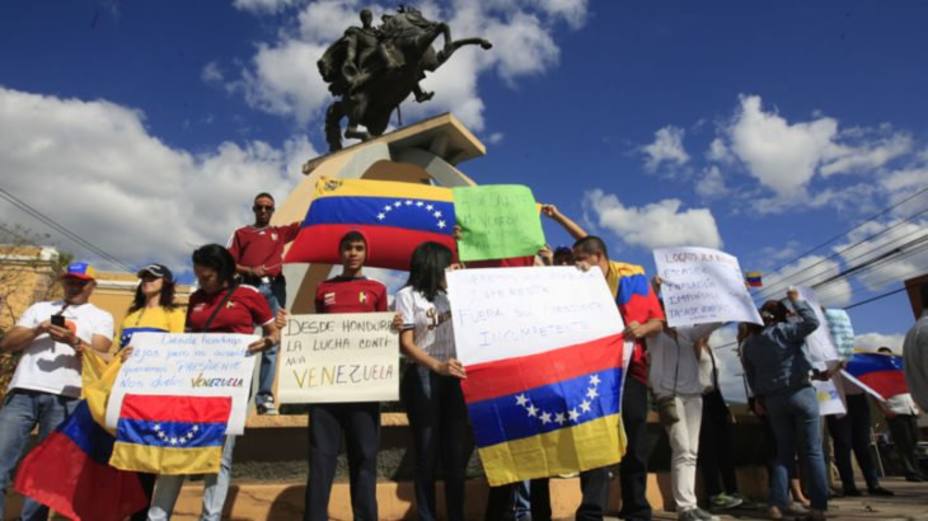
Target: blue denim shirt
(774,360)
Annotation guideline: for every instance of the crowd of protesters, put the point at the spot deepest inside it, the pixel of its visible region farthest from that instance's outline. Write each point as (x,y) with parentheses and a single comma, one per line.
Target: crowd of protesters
(673,371)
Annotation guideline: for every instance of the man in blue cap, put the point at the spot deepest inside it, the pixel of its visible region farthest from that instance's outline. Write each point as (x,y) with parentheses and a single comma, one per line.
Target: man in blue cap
(46,386)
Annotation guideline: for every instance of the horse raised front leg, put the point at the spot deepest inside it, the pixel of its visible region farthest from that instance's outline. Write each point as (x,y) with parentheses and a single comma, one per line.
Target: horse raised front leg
(446,53)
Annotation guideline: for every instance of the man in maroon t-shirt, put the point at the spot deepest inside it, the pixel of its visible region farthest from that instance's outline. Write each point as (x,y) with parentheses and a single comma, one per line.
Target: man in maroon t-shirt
(258,253)
(349,292)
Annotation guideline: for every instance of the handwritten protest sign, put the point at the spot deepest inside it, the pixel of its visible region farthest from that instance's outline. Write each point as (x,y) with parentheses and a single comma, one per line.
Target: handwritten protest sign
(703,285)
(196,364)
(821,346)
(351,357)
(522,311)
(497,222)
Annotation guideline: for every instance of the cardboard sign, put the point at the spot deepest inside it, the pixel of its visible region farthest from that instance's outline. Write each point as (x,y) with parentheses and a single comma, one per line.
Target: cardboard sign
(497,222)
(702,285)
(190,364)
(351,357)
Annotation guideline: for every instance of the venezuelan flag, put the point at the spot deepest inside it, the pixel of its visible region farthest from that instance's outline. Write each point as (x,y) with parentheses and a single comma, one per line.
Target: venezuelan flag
(548,413)
(171,434)
(633,292)
(878,374)
(69,471)
(394,217)
(754,279)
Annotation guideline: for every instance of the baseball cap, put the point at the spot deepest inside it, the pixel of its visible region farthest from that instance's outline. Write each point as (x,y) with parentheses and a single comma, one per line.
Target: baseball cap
(157,270)
(80,270)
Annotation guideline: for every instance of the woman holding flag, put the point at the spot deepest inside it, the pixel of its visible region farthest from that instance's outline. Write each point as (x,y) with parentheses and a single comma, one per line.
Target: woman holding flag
(153,310)
(221,305)
(431,385)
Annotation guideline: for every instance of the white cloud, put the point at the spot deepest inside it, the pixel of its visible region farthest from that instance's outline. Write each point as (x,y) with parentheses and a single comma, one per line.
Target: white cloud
(122,188)
(712,184)
(667,147)
(282,77)
(211,73)
(655,225)
(873,341)
(495,138)
(263,6)
(719,152)
(782,156)
(809,271)
(869,156)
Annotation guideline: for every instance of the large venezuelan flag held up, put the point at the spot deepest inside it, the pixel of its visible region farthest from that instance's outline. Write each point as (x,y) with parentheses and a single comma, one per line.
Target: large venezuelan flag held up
(543,352)
(879,374)
(171,434)
(394,217)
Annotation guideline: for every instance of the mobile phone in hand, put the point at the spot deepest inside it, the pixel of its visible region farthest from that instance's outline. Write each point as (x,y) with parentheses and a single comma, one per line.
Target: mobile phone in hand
(58,320)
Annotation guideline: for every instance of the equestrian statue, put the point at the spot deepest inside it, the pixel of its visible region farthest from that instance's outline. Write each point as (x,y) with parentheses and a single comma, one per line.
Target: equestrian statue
(373,69)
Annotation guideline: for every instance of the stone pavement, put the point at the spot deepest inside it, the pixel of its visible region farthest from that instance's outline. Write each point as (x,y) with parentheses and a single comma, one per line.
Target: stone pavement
(909,504)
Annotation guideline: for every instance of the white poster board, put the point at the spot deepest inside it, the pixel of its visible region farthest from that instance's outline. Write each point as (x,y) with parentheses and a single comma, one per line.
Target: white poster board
(829,398)
(702,285)
(508,312)
(821,347)
(190,364)
(350,357)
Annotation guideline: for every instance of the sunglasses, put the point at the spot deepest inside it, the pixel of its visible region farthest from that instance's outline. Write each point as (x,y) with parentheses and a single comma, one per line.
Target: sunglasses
(262,208)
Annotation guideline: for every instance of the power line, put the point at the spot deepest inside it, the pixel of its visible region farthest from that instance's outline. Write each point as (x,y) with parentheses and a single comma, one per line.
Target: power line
(55,225)
(878,297)
(785,281)
(836,237)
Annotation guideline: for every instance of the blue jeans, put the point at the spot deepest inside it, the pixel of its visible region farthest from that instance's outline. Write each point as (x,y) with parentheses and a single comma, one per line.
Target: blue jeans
(795,420)
(22,411)
(275,294)
(215,488)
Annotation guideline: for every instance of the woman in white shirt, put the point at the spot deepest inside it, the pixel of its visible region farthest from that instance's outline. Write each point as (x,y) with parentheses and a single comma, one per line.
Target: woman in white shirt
(431,387)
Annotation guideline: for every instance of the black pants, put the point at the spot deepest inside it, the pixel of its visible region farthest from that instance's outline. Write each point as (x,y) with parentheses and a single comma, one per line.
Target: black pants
(904,430)
(594,486)
(438,419)
(852,432)
(633,470)
(360,423)
(148,485)
(716,446)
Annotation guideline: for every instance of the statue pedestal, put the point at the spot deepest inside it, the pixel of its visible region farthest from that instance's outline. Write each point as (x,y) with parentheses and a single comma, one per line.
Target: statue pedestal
(426,152)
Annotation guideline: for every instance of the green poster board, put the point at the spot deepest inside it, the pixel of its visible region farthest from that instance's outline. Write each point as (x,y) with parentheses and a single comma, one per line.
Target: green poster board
(497,222)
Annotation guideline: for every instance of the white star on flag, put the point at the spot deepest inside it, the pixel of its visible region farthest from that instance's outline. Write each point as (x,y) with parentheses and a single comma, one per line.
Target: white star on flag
(398,204)
(594,380)
(559,418)
(381,216)
(532,410)
(573,414)
(591,393)
(173,441)
(429,207)
(408,202)
(387,208)
(585,406)
(419,203)
(545,418)
(437,214)
(441,224)
(521,400)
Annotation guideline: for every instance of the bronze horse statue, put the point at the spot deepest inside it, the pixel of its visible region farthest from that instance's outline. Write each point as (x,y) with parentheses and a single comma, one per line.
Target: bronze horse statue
(373,69)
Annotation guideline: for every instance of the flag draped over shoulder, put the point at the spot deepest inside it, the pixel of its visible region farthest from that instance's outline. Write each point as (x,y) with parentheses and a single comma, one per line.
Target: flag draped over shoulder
(880,375)
(171,434)
(394,217)
(69,471)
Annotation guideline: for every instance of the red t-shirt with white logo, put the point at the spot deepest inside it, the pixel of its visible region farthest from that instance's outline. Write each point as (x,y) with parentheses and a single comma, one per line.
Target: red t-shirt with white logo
(351,295)
(245,309)
(251,246)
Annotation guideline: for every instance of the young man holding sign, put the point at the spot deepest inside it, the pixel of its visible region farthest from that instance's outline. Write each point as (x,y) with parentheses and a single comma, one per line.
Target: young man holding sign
(643,318)
(349,292)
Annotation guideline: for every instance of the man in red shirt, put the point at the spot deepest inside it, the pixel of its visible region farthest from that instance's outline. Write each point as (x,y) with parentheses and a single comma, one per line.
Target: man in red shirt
(258,253)
(349,292)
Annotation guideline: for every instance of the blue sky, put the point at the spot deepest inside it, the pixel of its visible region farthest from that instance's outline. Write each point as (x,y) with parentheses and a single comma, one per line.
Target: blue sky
(763,130)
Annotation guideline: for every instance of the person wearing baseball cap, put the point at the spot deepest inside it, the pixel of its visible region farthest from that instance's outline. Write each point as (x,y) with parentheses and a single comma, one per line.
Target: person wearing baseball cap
(153,310)
(46,386)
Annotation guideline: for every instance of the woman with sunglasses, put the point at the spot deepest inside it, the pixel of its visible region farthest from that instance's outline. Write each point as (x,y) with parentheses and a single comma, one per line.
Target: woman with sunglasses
(153,310)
